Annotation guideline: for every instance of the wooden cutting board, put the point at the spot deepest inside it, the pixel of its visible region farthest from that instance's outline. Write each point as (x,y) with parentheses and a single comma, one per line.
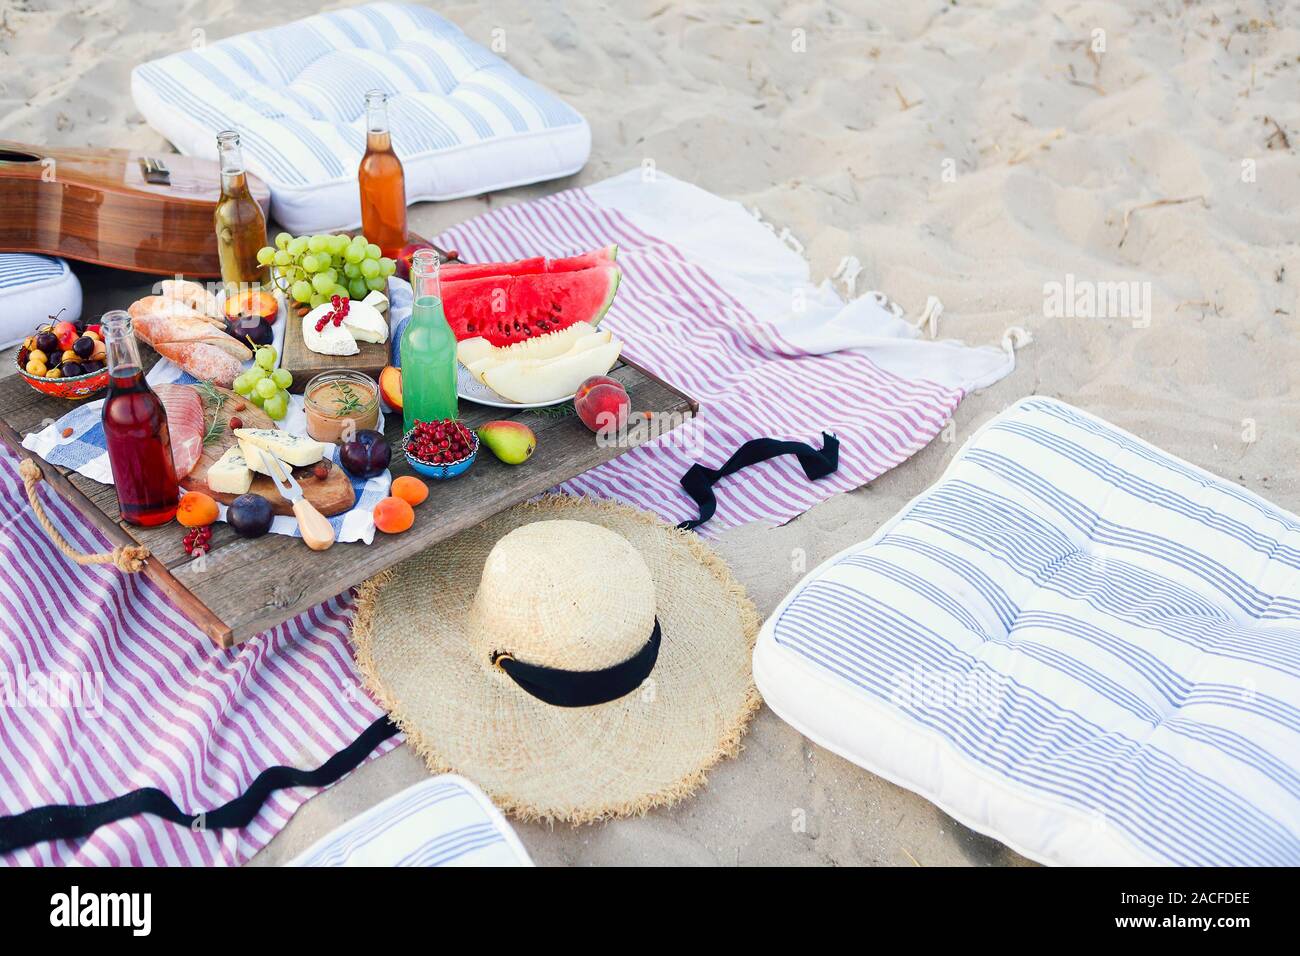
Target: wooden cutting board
(331,495)
(306,364)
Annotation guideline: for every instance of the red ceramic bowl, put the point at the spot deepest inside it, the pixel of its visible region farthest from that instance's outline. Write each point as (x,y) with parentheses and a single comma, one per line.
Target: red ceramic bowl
(74,389)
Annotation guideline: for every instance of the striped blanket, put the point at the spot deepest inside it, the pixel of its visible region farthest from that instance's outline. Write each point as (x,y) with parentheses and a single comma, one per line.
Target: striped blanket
(1073,642)
(711,300)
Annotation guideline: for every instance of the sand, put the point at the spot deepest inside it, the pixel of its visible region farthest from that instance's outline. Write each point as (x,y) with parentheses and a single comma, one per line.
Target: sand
(980,152)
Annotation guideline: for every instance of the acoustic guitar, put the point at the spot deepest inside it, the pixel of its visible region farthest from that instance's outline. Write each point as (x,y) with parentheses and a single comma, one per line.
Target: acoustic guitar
(114,207)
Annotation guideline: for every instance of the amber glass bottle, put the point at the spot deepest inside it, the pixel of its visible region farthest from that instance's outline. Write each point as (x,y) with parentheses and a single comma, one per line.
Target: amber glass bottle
(382,181)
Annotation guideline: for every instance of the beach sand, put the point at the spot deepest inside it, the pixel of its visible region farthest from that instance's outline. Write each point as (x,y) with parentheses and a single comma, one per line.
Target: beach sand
(978,152)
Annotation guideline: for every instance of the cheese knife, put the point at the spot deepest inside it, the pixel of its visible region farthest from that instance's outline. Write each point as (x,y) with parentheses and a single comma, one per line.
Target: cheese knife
(316,530)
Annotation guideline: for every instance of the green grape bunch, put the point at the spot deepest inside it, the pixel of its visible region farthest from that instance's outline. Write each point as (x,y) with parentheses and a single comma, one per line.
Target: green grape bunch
(265,385)
(312,269)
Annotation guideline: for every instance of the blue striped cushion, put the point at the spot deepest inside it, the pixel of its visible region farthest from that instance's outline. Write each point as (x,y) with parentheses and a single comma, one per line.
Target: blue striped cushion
(441,821)
(1073,642)
(463,120)
(33,288)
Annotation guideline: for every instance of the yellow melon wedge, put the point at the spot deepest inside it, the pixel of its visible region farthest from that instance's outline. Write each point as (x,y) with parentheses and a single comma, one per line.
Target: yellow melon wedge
(551,345)
(482,365)
(532,384)
(473,350)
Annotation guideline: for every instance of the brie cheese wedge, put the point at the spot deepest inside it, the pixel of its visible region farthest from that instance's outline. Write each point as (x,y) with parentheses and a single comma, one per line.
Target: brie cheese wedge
(332,339)
(365,324)
(376,300)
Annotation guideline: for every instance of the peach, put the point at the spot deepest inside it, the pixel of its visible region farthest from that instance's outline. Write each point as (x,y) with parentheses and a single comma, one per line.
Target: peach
(592,382)
(603,405)
(390,387)
(406,255)
(410,489)
(196,510)
(393,515)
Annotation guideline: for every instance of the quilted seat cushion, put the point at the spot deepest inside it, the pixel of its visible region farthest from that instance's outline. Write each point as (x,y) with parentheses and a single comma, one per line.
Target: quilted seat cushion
(441,821)
(33,288)
(1073,642)
(463,120)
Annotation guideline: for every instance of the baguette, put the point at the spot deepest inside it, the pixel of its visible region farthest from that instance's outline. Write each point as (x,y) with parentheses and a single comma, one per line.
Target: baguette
(178,331)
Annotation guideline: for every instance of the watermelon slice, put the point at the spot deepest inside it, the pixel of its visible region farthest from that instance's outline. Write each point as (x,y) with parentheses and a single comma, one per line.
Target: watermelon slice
(505,309)
(457,272)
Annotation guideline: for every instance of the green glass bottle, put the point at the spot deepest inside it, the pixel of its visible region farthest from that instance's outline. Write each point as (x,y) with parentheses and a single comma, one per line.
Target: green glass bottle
(428,349)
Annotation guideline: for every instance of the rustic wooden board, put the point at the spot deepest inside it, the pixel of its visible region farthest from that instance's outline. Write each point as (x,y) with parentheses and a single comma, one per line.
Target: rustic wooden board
(279,576)
(331,495)
(305,364)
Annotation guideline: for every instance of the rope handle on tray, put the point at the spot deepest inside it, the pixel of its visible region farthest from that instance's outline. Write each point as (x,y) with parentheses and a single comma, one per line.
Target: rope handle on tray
(128,558)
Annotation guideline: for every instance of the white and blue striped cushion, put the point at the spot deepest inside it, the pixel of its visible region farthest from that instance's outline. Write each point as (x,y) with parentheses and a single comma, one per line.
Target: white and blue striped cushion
(442,821)
(1073,642)
(463,120)
(33,288)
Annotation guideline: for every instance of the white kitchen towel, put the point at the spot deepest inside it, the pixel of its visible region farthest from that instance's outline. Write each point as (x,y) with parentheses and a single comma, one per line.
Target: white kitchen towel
(715,302)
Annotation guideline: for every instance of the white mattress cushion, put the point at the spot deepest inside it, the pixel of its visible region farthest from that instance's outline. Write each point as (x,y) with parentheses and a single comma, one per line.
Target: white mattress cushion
(1073,642)
(32,289)
(463,120)
(441,821)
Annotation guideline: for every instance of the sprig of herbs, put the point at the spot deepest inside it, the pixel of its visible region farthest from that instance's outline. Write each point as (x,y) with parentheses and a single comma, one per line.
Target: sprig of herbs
(210,395)
(349,401)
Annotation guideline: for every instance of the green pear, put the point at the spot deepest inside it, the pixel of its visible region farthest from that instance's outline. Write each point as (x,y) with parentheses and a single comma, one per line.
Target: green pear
(512,442)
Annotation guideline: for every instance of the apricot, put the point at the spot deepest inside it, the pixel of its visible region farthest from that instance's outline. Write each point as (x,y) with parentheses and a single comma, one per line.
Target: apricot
(410,489)
(393,515)
(196,510)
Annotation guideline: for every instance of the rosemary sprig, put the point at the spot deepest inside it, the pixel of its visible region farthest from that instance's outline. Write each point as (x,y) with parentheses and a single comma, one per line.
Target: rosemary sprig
(209,395)
(349,401)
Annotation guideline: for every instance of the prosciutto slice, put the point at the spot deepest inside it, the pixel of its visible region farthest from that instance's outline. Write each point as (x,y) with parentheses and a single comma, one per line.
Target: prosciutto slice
(185,423)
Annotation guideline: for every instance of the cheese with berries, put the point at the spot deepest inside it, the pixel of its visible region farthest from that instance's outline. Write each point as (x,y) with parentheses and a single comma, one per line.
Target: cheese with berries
(330,339)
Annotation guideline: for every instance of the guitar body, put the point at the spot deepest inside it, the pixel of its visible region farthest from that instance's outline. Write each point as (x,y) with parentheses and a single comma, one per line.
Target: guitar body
(97,205)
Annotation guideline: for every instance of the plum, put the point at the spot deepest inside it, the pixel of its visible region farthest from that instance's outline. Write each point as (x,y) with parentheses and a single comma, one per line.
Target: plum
(367,455)
(250,516)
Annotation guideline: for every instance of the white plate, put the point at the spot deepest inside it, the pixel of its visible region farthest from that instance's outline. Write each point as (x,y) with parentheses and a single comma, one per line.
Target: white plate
(472,390)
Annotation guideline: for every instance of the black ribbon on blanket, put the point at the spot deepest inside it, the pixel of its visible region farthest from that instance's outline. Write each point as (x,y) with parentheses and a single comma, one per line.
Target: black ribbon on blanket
(66,822)
(699,481)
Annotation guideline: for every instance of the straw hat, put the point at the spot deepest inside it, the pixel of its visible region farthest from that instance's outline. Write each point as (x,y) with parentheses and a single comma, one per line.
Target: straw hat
(578,660)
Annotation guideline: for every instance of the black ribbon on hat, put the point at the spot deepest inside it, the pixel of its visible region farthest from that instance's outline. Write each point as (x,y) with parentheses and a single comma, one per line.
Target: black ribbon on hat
(563,688)
(699,481)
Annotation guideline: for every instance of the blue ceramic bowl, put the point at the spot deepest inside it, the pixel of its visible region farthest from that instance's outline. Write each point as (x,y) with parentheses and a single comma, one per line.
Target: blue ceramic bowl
(440,472)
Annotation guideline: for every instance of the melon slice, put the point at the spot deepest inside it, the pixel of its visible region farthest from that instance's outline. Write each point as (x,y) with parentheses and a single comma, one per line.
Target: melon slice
(471,350)
(500,356)
(509,309)
(457,272)
(532,384)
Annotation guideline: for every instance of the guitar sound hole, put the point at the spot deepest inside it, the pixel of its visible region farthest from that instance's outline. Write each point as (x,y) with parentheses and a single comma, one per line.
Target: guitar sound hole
(12,156)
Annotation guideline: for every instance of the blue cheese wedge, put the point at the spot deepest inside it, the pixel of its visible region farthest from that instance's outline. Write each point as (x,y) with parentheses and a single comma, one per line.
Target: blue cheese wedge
(330,340)
(296,450)
(365,323)
(230,474)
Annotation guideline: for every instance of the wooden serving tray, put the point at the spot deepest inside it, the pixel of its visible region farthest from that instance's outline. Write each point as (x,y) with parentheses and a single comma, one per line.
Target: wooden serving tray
(247,586)
(306,364)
